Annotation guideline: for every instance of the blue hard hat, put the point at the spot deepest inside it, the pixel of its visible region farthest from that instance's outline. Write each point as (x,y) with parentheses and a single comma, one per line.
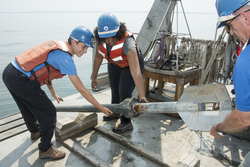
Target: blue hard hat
(83,34)
(226,8)
(108,25)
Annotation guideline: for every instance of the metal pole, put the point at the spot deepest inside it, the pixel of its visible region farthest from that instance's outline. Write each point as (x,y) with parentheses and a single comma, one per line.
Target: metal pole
(187,23)
(160,26)
(159,107)
(177,38)
(130,107)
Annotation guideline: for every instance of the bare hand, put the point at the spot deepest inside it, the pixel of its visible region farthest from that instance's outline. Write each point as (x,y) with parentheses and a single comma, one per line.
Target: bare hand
(106,111)
(94,83)
(214,133)
(58,99)
(143,99)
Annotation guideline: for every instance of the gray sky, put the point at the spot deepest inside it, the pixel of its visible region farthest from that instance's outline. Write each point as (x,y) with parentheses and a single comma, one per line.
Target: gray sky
(202,13)
(203,6)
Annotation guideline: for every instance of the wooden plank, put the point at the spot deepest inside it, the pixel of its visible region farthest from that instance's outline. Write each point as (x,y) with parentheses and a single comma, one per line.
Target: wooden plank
(178,91)
(11,125)
(135,147)
(146,85)
(10,118)
(188,160)
(66,128)
(13,132)
(182,79)
(160,84)
(84,153)
(160,77)
(194,82)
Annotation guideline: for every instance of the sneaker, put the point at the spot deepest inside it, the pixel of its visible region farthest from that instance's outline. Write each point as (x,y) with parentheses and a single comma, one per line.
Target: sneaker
(111,117)
(122,128)
(35,136)
(52,153)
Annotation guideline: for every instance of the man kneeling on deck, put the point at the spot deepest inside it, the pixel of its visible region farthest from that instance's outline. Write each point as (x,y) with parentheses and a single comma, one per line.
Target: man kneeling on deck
(38,66)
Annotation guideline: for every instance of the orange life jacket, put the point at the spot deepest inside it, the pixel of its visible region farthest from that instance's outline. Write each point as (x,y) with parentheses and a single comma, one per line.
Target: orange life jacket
(38,55)
(115,56)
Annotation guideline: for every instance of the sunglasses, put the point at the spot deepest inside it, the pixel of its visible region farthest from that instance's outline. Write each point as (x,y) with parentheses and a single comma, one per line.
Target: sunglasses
(228,24)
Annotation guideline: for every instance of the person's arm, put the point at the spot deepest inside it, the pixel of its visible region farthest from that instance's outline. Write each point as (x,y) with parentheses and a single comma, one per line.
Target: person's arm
(235,121)
(96,65)
(136,72)
(53,93)
(87,95)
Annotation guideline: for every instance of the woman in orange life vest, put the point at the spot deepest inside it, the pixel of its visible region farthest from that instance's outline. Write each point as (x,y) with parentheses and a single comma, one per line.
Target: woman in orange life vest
(38,66)
(116,44)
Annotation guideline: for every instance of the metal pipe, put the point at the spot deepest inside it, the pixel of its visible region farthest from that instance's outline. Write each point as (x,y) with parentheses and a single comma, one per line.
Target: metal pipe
(159,107)
(131,107)
(123,108)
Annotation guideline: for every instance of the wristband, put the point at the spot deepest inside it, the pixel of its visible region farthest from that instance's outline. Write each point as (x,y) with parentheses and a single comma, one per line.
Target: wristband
(218,132)
(93,76)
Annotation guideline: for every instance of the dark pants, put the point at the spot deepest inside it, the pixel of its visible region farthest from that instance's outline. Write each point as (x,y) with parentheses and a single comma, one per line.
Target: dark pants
(122,84)
(37,110)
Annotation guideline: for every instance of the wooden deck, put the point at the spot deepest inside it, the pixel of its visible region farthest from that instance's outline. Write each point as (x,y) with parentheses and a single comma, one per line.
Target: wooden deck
(156,140)
(11,125)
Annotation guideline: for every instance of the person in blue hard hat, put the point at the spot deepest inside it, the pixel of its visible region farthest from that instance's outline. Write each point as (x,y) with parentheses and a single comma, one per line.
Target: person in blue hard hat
(125,64)
(38,66)
(235,16)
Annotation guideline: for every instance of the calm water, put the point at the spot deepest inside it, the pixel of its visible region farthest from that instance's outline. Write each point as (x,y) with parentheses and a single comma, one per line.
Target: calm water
(21,31)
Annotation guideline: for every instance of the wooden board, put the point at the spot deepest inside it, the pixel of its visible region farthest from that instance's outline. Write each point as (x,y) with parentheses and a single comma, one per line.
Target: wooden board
(188,160)
(11,125)
(12,132)
(135,147)
(11,118)
(84,153)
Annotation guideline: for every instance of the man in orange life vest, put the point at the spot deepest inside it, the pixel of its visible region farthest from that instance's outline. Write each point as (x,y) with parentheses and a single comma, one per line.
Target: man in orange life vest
(116,44)
(38,66)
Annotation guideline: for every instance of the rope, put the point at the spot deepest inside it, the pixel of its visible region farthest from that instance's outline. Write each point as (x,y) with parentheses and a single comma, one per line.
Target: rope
(161,50)
(199,54)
